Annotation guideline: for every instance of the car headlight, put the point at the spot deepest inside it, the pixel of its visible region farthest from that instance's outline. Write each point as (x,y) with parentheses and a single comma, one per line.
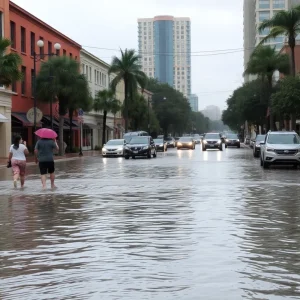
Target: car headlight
(191,143)
(219,141)
(270,149)
(146,147)
(237,140)
(119,149)
(227,140)
(179,144)
(204,141)
(127,148)
(161,145)
(104,149)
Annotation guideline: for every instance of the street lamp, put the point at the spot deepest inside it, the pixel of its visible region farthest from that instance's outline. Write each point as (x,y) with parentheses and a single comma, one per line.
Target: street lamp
(36,58)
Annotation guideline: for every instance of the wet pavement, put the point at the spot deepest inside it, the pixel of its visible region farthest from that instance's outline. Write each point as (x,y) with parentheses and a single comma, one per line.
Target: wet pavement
(186,225)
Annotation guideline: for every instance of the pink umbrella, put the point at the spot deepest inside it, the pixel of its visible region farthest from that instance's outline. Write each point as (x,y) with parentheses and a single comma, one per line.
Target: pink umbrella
(46,133)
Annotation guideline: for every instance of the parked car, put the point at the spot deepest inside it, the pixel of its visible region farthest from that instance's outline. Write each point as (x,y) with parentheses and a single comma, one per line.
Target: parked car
(160,145)
(212,141)
(256,147)
(140,146)
(129,135)
(232,140)
(186,142)
(170,141)
(114,148)
(252,142)
(280,148)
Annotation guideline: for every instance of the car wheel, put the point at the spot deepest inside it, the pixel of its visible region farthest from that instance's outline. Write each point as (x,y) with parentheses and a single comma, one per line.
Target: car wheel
(221,148)
(295,166)
(261,162)
(239,146)
(203,149)
(149,154)
(154,154)
(266,165)
(126,157)
(255,154)
(133,157)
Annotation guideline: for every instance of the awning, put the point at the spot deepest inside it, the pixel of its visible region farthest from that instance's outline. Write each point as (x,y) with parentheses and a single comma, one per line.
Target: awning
(23,119)
(74,123)
(3,119)
(110,128)
(55,122)
(91,125)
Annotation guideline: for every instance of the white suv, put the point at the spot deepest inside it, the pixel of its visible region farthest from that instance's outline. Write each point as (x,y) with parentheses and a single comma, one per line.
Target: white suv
(280,147)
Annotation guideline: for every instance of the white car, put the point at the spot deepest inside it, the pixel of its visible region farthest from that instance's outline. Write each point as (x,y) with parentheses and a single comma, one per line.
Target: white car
(114,148)
(280,147)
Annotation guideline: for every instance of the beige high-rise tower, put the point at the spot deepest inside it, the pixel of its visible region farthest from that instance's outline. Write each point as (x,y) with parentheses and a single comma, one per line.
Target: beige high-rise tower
(256,11)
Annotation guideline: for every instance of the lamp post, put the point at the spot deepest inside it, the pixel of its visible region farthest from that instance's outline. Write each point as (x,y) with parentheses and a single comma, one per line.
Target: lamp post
(36,58)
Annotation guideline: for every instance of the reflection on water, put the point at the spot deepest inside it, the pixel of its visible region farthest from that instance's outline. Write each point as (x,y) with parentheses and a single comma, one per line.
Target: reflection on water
(211,225)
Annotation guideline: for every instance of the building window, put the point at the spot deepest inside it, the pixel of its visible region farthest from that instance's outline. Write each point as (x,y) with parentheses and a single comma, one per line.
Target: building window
(32,82)
(90,73)
(1,24)
(82,69)
(71,55)
(32,43)
(42,50)
(23,40)
(95,76)
(266,31)
(264,4)
(23,83)
(64,52)
(279,4)
(57,52)
(87,72)
(49,48)
(13,34)
(264,15)
(14,87)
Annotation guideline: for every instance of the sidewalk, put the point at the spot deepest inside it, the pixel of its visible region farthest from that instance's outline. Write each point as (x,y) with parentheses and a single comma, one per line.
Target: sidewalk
(67,156)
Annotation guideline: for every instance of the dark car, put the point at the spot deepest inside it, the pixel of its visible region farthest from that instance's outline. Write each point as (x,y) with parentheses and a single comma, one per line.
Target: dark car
(256,145)
(160,145)
(129,135)
(212,141)
(186,142)
(232,140)
(140,146)
(170,141)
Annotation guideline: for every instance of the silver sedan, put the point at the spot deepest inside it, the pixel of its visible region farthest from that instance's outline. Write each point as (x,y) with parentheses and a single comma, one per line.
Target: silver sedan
(114,148)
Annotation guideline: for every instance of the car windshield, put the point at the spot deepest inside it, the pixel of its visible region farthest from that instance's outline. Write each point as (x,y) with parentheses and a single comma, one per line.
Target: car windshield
(260,138)
(212,136)
(115,142)
(158,141)
(232,136)
(169,139)
(139,140)
(185,139)
(286,139)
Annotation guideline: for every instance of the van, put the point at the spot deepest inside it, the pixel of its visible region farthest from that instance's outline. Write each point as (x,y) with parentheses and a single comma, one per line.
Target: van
(128,136)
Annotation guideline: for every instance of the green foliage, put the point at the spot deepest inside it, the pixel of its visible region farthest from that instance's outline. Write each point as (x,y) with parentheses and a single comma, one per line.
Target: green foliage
(128,69)
(97,148)
(199,122)
(286,100)
(9,64)
(249,102)
(171,107)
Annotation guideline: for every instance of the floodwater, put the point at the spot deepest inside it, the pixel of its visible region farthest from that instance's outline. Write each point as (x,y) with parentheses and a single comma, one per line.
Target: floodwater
(186,225)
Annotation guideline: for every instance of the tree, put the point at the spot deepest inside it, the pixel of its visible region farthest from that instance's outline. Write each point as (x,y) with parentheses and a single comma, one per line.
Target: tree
(115,107)
(9,64)
(171,107)
(128,69)
(264,61)
(286,98)
(105,101)
(67,87)
(284,23)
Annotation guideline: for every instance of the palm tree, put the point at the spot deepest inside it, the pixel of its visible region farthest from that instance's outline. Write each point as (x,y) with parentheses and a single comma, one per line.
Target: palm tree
(115,107)
(67,87)
(105,101)
(284,23)
(128,69)
(264,61)
(9,64)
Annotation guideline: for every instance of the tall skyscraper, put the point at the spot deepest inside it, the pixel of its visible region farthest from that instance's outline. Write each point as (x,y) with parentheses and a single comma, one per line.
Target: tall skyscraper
(256,11)
(165,50)
(193,99)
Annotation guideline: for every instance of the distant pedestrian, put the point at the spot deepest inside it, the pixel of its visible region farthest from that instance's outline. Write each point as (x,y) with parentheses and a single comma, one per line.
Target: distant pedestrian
(44,149)
(17,156)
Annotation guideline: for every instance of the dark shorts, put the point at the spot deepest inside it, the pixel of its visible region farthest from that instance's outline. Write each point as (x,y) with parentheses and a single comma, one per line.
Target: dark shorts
(46,167)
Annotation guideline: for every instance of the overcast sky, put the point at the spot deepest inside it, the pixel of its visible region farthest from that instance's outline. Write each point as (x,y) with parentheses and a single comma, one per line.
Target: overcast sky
(216,25)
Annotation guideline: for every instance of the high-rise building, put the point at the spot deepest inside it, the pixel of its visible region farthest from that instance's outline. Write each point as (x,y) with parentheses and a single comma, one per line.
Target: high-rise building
(193,99)
(256,11)
(165,50)
(212,112)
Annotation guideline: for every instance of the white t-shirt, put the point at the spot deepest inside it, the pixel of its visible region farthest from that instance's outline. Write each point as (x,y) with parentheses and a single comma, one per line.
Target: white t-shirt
(19,153)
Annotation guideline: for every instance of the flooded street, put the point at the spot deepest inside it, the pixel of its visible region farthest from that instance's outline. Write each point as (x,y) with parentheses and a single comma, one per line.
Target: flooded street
(186,225)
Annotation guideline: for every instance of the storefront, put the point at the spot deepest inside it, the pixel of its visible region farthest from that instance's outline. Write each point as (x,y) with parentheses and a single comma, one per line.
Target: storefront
(5,122)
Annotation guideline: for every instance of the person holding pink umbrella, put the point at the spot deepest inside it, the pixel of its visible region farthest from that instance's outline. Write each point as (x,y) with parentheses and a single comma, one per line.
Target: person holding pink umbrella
(44,154)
